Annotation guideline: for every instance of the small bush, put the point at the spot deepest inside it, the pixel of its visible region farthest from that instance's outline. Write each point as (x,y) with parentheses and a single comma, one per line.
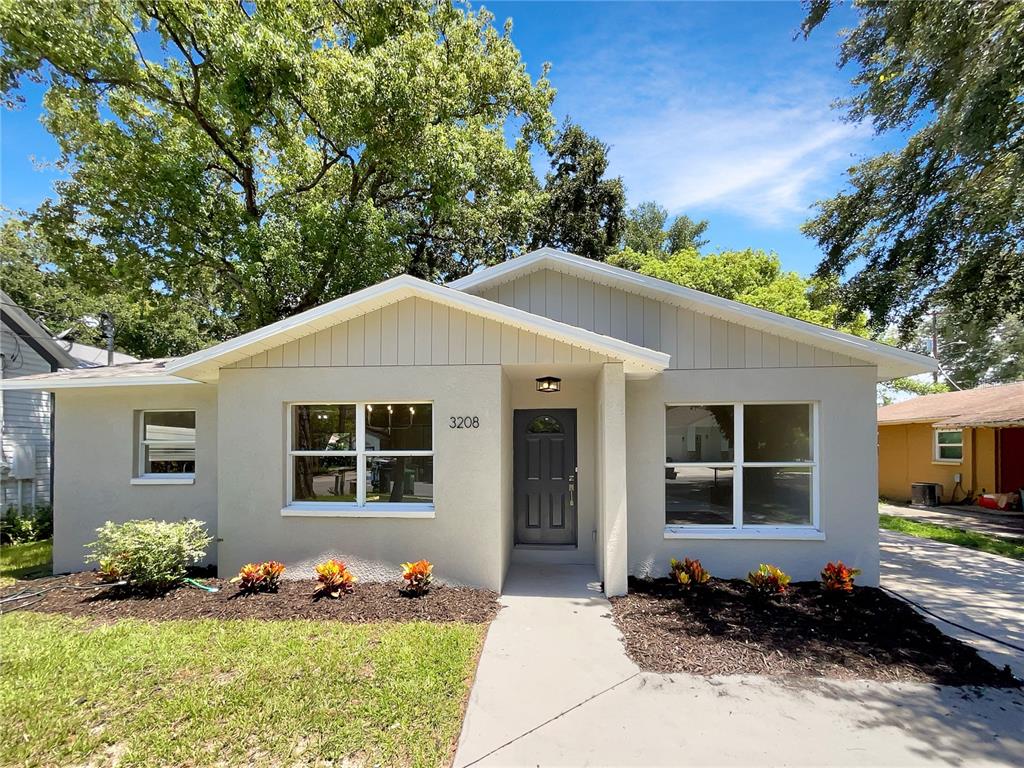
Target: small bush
(689,573)
(418,577)
(31,524)
(334,577)
(838,577)
(151,555)
(768,580)
(259,577)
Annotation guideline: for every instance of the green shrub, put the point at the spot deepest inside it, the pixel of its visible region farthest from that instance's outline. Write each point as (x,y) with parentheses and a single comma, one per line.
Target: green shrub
(151,555)
(31,524)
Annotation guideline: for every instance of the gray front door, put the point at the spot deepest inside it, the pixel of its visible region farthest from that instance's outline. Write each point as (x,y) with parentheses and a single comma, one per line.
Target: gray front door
(545,476)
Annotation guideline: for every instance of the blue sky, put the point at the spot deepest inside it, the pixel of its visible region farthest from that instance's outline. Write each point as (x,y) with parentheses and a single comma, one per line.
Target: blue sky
(712,109)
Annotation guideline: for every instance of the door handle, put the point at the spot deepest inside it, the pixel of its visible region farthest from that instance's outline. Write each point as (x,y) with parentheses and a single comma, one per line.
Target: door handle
(572,490)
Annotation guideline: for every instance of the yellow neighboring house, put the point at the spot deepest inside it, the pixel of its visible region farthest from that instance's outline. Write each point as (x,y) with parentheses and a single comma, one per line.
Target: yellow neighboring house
(970,442)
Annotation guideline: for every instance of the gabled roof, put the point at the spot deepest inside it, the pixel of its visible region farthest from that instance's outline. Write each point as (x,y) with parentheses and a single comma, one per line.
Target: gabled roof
(890,361)
(205,365)
(996,406)
(33,334)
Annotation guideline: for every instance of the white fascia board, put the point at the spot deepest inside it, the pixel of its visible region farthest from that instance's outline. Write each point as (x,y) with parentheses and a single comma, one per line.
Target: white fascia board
(82,382)
(891,361)
(204,365)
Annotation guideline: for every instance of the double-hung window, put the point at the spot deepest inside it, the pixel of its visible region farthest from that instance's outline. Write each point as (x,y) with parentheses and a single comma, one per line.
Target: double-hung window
(949,446)
(741,467)
(368,456)
(167,446)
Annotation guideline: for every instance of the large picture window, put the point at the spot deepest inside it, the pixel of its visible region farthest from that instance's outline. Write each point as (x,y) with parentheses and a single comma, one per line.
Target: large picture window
(167,445)
(740,466)
(361,454)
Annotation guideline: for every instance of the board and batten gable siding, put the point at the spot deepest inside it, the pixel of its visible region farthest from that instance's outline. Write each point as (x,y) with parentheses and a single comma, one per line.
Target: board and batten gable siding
(25,418)
(418,332)
(693,339)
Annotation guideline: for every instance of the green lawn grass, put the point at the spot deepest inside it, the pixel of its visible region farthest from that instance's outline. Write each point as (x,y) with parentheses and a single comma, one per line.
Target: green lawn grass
(226,693)
(998,546)
(25,561)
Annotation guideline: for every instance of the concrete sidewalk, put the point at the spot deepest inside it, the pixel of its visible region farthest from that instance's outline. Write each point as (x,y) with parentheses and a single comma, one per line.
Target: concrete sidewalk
(975,589)
(555,688)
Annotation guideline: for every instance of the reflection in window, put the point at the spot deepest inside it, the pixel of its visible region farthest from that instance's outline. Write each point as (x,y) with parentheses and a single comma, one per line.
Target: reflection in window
(777,432)
(699,433)
(395,479)
(698,496)
(544,425)
(384,456)
(774,465)
(167,444)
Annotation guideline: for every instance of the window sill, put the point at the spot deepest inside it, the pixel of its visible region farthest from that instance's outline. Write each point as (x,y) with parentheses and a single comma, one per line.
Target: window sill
(948,462)
(763,534)
(326,509)
(167,480)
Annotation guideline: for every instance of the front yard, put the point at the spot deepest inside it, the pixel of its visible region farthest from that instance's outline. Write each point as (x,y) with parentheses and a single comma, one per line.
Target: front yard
(230,692)
(24,561)
(996,545)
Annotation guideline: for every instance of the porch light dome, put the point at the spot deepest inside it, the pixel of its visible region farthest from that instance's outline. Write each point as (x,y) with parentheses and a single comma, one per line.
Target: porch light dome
(549,384)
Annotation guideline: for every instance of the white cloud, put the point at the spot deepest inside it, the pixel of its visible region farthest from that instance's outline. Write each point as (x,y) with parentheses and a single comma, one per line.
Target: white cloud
(763,161)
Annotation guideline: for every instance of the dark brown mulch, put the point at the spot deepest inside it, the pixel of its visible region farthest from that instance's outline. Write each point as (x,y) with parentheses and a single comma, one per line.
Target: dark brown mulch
(79,595)
(723,630)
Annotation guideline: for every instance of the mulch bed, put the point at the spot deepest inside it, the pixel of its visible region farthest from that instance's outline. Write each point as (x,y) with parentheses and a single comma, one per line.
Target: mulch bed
(723,629)
(78,594)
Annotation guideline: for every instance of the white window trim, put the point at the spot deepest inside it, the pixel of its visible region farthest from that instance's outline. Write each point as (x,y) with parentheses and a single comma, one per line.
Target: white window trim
(936,458)
(360,507)
(737,530)
(141,476)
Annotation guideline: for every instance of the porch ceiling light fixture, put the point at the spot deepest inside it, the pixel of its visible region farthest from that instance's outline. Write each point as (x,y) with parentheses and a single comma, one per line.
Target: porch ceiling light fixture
(549,384)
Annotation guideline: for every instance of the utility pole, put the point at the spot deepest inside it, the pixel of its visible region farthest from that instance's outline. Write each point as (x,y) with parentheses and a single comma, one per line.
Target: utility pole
(107,322)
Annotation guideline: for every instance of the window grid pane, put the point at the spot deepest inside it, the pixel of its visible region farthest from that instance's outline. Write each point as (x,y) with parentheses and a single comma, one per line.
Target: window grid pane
(167,443)
(775,466)
(362,453)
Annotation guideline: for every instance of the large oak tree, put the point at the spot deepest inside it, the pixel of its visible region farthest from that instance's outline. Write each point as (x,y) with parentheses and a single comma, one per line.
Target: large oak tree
(266,156)
(940,221)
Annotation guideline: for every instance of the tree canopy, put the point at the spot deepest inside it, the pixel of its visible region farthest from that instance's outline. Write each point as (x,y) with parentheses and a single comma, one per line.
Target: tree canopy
(583,211)
(147,322)
(940,221)
(645,231)
(751,276)
(258,159)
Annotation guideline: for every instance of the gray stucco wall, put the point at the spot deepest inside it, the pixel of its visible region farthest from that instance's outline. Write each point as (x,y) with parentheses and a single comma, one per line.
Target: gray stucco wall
(847,459)
(464,540)
(94,450)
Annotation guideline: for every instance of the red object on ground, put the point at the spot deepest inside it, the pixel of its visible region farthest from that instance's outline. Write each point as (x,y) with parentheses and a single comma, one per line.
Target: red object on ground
(989,502)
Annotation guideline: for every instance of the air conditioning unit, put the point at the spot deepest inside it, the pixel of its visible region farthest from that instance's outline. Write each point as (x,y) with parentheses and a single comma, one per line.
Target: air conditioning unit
(926,494)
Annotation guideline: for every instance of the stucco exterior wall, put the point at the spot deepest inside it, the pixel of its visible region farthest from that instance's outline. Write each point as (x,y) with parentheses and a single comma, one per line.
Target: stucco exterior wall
(464,540)
(94,463)
(612,472)
(847,467)
(906,456)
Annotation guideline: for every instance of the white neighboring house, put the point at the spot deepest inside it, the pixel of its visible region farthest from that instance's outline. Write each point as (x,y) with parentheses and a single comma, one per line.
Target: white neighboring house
(26,416)
(548,409)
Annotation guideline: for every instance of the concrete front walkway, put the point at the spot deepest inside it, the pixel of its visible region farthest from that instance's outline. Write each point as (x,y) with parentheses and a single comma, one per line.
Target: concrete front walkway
(974,589)
(554,688)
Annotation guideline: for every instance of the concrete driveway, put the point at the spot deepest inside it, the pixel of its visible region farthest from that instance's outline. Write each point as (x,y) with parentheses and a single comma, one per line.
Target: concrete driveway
(974,589)
(554,688)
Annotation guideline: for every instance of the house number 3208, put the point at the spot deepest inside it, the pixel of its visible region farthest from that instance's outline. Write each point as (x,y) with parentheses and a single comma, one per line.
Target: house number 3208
(464,422)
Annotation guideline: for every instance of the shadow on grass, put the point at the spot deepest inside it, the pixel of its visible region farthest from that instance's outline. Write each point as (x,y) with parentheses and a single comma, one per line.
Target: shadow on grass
(31,560)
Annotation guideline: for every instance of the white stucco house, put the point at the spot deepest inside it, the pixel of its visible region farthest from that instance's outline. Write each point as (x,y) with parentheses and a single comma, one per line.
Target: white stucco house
(551,408)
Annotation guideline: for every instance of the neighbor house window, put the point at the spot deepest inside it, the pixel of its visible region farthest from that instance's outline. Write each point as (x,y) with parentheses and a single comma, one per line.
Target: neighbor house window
(949,445)
(361,454)
(167,444)
(741,466)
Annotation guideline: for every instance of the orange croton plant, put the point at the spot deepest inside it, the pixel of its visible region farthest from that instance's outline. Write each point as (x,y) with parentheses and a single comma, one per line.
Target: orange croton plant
(334,578)
(259,577)
(417,576)
(838,577)
(689,573)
